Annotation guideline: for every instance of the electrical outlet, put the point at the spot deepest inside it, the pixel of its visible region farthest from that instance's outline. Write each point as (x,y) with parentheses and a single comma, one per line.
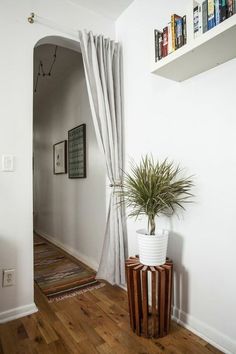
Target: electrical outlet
(8,163)
(8,277)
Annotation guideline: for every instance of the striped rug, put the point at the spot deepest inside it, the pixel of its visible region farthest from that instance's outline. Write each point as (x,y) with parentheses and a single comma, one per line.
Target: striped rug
(59,275)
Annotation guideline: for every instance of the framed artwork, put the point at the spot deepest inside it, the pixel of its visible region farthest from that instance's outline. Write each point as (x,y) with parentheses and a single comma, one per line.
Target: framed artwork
(77,152)
(59,157)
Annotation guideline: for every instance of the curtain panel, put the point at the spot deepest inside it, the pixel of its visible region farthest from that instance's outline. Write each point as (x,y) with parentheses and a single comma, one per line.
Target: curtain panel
(102,64)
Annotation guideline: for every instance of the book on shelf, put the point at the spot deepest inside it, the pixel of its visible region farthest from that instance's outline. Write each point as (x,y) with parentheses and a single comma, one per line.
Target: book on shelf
(223,10)
(211,14)
(204,16)
(179,33)
(174,18)
(200,18)
(158,44)
(217,11)
(230,8)
(170,44)
(185,29)
(165,42)
(197,19)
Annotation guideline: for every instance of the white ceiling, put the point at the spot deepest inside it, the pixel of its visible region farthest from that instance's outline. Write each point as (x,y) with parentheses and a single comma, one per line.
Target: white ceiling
(108,8)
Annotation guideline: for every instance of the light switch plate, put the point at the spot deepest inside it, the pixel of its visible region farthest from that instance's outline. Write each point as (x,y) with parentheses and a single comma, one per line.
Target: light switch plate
(8,163)
(8,277)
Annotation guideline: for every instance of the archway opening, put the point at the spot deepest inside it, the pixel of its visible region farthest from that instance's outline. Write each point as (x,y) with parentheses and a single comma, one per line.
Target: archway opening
(68,212)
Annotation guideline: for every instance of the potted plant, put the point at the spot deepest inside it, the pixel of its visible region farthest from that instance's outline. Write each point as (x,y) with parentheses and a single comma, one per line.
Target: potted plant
(152,189)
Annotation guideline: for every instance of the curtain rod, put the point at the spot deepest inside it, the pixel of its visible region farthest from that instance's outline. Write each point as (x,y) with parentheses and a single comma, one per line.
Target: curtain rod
(46,22)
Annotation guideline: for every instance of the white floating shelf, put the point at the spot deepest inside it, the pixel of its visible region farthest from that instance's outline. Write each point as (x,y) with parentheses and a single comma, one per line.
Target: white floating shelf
(209,50)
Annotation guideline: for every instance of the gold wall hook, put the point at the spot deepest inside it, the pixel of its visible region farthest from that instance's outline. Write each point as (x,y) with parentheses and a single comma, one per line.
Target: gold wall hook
(31,18)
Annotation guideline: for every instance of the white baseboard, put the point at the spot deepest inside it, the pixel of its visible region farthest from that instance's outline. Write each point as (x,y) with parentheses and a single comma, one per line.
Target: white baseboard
(81,257)
(17,312)
(201,329)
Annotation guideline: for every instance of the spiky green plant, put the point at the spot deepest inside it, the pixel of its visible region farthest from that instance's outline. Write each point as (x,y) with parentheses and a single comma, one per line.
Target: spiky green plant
(153,188)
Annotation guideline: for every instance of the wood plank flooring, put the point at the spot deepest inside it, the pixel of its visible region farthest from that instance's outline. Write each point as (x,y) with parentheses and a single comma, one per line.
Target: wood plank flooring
(95,322)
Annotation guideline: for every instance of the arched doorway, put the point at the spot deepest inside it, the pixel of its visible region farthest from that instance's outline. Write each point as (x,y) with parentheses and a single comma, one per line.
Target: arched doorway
(64,207)
(60,41)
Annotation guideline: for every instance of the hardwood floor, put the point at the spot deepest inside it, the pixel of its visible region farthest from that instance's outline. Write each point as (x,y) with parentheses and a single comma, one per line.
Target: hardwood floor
(95,322)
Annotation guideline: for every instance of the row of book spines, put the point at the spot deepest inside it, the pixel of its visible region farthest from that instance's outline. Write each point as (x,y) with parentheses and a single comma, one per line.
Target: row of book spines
(218,11)
(212,12)
(173,37)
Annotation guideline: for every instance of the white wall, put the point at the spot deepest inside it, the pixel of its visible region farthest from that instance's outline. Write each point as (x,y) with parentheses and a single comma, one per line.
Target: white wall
(192,123)
(64,207)
(18,39)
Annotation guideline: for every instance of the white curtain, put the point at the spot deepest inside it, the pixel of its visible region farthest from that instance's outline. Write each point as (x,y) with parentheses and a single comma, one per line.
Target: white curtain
(102,63)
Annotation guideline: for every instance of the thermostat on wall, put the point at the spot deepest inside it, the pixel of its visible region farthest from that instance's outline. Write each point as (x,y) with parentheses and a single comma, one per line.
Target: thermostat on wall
(8,164)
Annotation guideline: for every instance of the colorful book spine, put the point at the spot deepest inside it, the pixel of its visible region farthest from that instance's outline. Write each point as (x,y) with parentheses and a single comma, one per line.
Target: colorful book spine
(230,8)
(211,14)
(179,32)
(174,36)
(185,29)
(170,47)
(173,30)
(204,16)
(223,12)
(165,42)
(217,12)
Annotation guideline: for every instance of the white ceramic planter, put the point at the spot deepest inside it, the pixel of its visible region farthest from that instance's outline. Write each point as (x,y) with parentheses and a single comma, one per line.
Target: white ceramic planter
(152,248)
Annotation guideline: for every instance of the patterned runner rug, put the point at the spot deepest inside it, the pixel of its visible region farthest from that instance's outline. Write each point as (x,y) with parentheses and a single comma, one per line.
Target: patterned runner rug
(59,275)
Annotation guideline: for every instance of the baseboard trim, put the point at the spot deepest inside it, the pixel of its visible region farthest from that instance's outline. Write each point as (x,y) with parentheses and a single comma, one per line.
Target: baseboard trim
(17,312)
(82,258)
(209,334)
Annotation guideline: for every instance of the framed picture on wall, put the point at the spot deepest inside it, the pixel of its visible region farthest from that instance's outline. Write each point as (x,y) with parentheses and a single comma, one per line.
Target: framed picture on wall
(60,157)
(77,152)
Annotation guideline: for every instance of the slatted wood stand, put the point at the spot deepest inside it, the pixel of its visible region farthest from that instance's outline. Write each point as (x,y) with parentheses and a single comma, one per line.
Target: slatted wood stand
(154,320)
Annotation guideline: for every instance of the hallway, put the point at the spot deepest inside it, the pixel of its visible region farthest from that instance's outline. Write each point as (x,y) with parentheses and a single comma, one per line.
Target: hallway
(64,206)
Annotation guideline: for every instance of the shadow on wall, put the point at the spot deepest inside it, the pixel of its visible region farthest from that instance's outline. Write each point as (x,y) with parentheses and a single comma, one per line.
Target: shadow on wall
(180,278)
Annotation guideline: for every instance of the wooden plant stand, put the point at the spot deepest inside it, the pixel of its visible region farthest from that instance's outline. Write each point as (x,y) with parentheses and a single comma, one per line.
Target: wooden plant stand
(154,320)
